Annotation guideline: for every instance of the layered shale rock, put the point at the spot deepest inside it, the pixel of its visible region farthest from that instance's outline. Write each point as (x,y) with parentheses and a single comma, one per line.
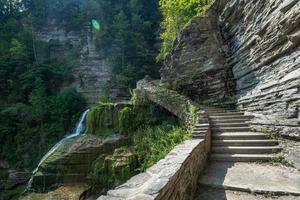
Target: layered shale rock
(264,37)
(250,48)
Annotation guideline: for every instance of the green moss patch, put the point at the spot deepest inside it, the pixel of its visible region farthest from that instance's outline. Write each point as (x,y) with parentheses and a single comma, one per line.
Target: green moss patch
(103,119)
(115,169)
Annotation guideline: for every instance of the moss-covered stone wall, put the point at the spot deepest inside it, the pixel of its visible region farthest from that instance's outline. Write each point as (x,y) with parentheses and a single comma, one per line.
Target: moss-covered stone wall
(179,105)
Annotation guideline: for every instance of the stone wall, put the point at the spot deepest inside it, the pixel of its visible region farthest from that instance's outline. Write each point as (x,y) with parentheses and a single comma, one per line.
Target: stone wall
(175,177)
(263,39)
(179,105)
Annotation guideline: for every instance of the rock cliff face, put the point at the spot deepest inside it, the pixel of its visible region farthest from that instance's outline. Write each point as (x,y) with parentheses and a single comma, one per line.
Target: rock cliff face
(255,41)
(264,38)
(77,50)
(71,41)
(197,65)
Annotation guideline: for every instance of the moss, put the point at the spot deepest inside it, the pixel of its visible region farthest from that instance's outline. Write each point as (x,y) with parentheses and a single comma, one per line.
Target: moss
(115,169)
(103,119)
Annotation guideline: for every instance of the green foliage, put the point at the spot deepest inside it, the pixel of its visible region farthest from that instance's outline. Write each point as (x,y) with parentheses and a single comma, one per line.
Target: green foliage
(34,109)
(193,118)
(154,133)
(154,143)
(107,118)
(127,120)
(176,14)
(128,34)
(281,159)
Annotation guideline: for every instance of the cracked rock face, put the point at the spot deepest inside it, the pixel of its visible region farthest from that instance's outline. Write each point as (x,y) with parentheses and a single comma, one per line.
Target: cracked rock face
(249,48)
(263,39)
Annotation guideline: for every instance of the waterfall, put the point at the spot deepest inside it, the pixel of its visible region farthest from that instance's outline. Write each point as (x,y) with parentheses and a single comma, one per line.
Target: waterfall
(79,130)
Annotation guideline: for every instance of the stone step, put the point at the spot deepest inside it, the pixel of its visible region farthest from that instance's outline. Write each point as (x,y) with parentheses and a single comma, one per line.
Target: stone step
(226,114)
(229,125)
(230,117)
(244,142)
(202,125)
(217,109)
(225,121)
(242,157)
(230,129)
(238,136)
(221,111)
(201,128)
(246,149)
(199,132)
(198,136)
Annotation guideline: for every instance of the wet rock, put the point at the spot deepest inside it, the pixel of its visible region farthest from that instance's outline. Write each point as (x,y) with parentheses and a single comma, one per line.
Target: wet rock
(73,160)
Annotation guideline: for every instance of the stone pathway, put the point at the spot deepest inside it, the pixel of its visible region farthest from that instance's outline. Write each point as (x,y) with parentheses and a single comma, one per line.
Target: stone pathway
(220,194)
(252,177)
(233,139)
(291,151)
(232,174)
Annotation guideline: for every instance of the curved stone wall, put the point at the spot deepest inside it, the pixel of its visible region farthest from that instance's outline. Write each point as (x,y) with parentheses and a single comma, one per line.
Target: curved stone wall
(174,177)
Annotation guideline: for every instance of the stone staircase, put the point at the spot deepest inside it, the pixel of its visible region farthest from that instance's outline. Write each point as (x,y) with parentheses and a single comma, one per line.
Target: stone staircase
(233,139)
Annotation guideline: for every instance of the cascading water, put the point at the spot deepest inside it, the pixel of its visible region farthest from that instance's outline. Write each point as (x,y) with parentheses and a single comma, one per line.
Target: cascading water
(79,130)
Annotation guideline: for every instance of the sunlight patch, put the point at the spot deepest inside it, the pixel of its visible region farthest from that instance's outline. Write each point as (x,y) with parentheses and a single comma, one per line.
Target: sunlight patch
(96,24)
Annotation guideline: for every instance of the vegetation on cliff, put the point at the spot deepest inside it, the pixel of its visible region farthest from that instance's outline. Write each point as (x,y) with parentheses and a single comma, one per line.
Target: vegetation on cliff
(129,34)
(127,31)
(176,14)
(33,109)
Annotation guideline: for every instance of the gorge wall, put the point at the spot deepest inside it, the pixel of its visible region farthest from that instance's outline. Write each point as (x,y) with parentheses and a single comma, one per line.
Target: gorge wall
(250,46)
(76,49)
(264,38)
(71,41)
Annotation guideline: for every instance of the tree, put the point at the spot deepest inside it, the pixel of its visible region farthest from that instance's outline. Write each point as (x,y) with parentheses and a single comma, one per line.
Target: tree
(176,14)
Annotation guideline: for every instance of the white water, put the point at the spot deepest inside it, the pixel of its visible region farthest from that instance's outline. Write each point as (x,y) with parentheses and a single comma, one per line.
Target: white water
(79,130)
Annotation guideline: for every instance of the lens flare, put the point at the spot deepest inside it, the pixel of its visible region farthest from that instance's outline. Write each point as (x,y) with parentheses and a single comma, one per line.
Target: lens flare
(96,24)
